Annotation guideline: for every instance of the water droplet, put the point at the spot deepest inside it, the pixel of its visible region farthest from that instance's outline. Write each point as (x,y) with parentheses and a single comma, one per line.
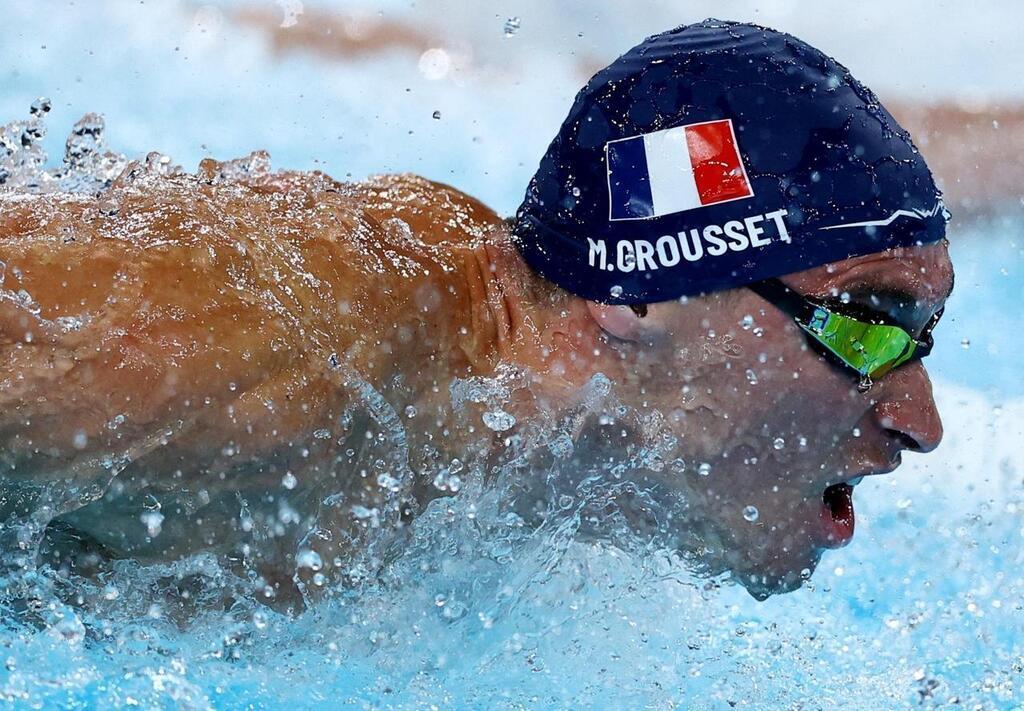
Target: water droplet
(562,446)
(386,481)
(366,514)
(750,513)
(410,411)
(436,115)
(512,25)
(704,469)
(289,481)
(153,520)
(965,343)
(80,440)
(615,291)
(498,420)
(751,377)
(778,443)
(747,322)
(40,106)
(435,63)
(309,559)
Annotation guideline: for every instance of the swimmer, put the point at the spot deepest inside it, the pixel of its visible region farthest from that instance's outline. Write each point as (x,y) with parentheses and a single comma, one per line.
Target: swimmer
(728,227)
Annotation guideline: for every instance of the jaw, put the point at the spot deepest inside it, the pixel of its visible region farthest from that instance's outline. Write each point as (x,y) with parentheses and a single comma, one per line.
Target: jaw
(763,586)
(773,554)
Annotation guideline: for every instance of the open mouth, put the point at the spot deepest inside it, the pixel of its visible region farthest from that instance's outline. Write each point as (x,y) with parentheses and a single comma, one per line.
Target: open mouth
(837,514)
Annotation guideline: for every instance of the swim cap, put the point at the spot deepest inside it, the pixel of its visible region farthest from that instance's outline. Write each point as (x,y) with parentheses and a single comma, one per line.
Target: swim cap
(715,155)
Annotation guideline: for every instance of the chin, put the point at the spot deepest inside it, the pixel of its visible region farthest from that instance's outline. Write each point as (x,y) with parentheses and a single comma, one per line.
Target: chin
(776,580)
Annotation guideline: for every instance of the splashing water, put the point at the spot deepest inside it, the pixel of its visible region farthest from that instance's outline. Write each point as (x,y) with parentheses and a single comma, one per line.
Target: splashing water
(87,168)
(500,591)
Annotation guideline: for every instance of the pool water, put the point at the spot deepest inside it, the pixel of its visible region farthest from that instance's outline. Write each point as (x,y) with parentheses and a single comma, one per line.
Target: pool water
(922,609)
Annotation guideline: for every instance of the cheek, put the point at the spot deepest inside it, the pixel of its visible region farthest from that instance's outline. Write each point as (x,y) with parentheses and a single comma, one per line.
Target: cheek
(790,403)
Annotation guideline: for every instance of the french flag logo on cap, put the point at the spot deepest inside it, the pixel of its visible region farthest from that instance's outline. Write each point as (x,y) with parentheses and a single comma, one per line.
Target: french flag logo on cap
(674,170)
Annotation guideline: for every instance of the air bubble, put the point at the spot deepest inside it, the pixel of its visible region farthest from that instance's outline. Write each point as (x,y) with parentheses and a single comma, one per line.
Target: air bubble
(750,513)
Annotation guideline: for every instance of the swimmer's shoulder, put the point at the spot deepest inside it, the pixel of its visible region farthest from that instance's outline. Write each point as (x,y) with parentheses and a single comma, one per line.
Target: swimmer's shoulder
(435,212)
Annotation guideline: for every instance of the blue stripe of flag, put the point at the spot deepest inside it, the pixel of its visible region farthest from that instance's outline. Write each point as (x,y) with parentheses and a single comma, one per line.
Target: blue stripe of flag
(628,181)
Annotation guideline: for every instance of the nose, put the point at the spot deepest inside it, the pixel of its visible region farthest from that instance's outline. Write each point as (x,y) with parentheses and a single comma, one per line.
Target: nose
(907,409)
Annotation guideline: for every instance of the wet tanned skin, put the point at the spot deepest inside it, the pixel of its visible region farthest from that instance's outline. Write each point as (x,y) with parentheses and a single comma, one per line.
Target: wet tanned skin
(232,335)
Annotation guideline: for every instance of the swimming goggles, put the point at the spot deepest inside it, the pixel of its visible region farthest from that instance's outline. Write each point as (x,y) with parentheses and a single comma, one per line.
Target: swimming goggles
(860,339)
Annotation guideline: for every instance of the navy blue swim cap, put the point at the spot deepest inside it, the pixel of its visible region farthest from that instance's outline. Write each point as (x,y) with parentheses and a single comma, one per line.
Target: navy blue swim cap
(715,155)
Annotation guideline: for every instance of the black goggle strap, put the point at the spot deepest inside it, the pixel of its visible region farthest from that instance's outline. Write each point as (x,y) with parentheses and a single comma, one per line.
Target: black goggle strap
(925,341)
(782,297)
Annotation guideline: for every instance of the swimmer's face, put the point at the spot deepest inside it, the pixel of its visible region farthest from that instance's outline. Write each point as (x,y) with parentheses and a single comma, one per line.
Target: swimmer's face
(775,423)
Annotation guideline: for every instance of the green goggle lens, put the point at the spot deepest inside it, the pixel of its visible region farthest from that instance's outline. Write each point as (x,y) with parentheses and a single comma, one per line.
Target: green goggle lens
(872,349)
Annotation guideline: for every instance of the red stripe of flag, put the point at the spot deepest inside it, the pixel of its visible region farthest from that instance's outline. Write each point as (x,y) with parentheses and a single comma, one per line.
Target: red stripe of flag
(717,169)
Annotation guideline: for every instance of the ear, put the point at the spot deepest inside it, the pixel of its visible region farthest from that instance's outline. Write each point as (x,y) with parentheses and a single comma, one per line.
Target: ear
(625,324)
